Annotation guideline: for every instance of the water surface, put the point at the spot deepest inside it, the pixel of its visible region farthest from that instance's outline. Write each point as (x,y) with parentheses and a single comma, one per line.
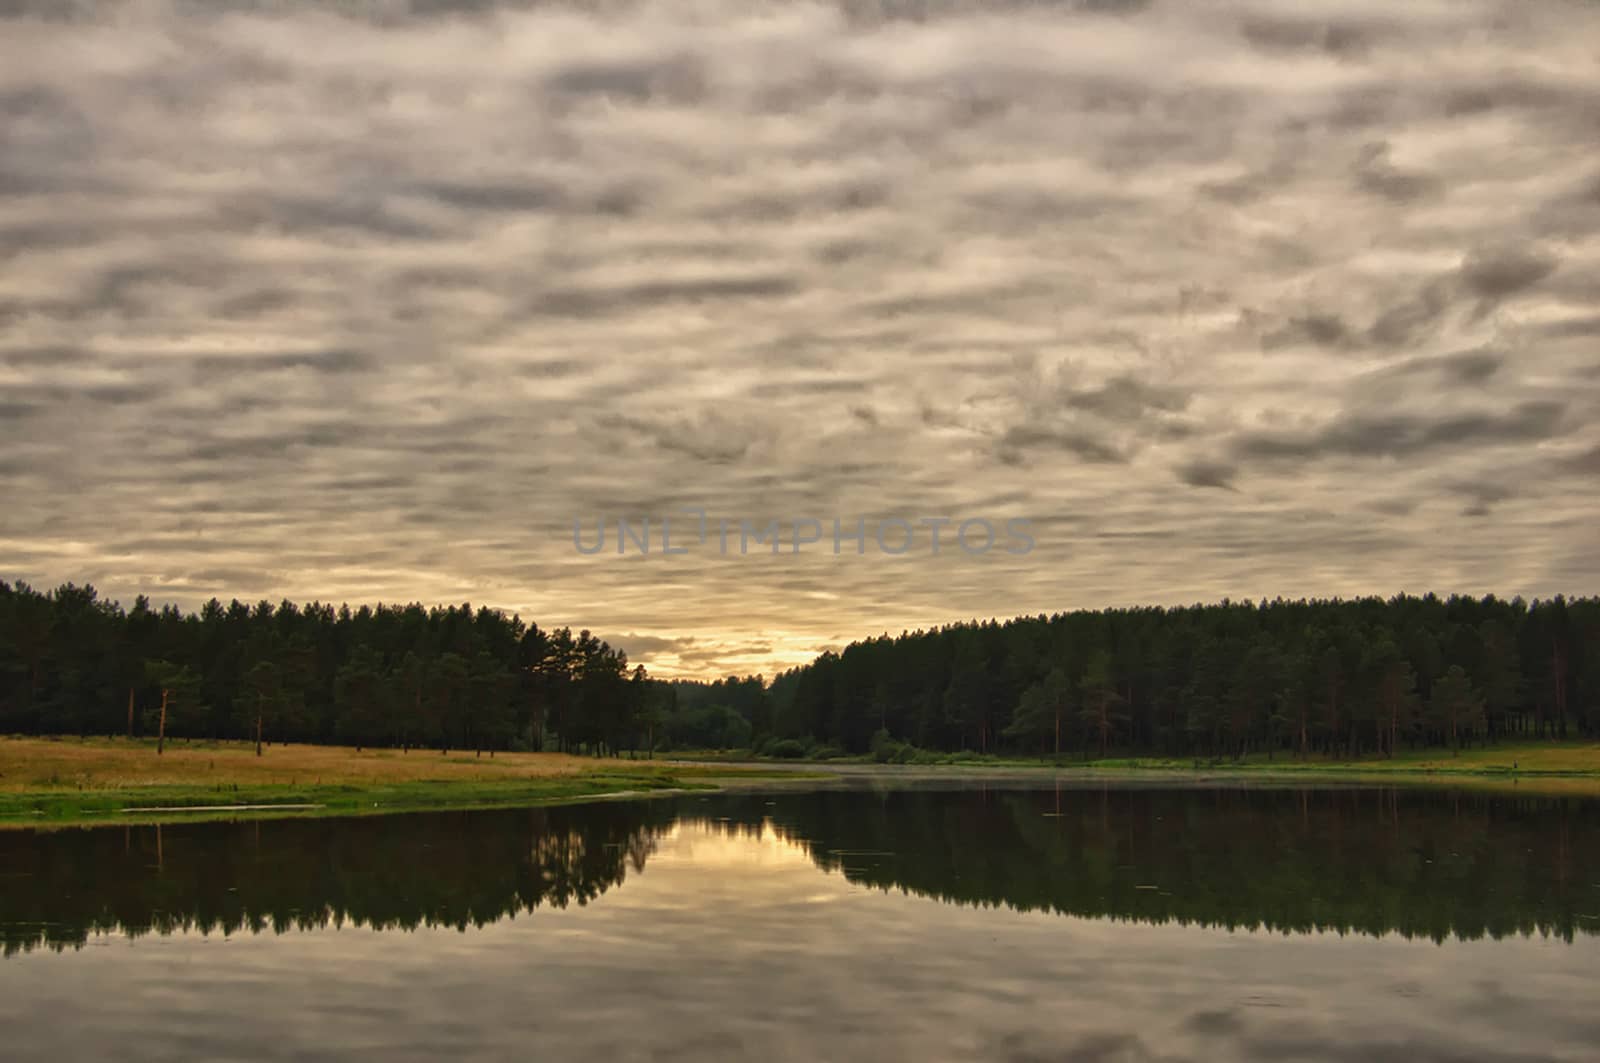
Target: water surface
(942,922)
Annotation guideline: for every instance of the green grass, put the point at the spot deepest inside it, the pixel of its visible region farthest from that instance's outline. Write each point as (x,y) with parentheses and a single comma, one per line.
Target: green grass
(62,782)
(166,803)
(1566,759)
(1553,767)
(66,781)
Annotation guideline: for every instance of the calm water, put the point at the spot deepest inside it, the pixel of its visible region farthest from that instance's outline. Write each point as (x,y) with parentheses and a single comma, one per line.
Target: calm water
(950,923)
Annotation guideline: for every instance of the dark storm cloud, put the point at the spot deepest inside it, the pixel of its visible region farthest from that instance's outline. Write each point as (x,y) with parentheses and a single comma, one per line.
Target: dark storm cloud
(353,299)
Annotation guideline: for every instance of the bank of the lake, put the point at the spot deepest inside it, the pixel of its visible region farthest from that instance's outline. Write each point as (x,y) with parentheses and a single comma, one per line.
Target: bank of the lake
(70,781)
(1571,768)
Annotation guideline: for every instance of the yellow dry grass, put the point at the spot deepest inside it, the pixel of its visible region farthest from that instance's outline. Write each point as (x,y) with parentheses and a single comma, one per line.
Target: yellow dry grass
(1527,757)
(34,764)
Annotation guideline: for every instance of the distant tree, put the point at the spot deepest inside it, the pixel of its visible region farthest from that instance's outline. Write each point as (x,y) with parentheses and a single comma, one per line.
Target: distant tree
(1499,675)
(1397,698)
(1040,712)
(489,712)
(1456,707)
(180,698)
(363,695)
(1100,699)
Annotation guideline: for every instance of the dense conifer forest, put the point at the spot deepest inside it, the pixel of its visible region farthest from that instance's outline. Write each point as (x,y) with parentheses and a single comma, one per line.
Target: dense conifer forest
(1336,678)
(1297,678)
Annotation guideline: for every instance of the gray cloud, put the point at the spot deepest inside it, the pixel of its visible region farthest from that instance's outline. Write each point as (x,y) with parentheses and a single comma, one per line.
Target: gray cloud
(1080,444)
(1586,463)
(1125,398)
(1500,274)
(334,361)
(1413,320)
(1201,473)
(1367,435)
(1458,369)
(1317,329)
(1376,174)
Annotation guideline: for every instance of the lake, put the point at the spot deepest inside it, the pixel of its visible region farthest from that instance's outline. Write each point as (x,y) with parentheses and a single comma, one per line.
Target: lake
(1008,920)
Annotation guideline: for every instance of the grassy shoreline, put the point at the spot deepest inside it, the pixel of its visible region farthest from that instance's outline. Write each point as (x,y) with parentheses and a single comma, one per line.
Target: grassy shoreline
(144,805)
(1543,767)
(60,782)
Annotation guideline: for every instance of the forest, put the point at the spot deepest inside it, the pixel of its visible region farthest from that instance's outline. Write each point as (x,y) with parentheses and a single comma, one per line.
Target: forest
(399,676)
(1334,678)
(1329,678)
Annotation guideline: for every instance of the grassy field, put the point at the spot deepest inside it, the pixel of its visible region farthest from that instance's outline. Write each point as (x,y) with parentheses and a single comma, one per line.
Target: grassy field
(63,781)
(1532,759)
(45,781)
(1544,767)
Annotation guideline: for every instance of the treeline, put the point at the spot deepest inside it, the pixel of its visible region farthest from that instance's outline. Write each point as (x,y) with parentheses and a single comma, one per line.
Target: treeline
(401,676)
(1331,678)
(1336,678)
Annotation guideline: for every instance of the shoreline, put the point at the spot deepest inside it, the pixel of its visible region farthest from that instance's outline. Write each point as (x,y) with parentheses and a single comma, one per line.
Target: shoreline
(114,799)
(1472,773)
(55,782)
(144,806)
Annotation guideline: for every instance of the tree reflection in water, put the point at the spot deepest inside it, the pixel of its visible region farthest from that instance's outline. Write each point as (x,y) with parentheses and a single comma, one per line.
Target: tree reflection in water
(1374,861)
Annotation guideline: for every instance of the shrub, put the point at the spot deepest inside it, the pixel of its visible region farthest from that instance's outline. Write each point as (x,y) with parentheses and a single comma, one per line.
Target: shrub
(786,749)
(884,749)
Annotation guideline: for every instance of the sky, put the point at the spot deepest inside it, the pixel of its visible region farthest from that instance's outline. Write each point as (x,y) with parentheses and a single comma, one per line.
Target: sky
(367,302)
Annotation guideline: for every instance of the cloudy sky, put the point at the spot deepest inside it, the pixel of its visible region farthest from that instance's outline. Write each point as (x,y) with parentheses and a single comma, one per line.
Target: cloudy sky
(370,301)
